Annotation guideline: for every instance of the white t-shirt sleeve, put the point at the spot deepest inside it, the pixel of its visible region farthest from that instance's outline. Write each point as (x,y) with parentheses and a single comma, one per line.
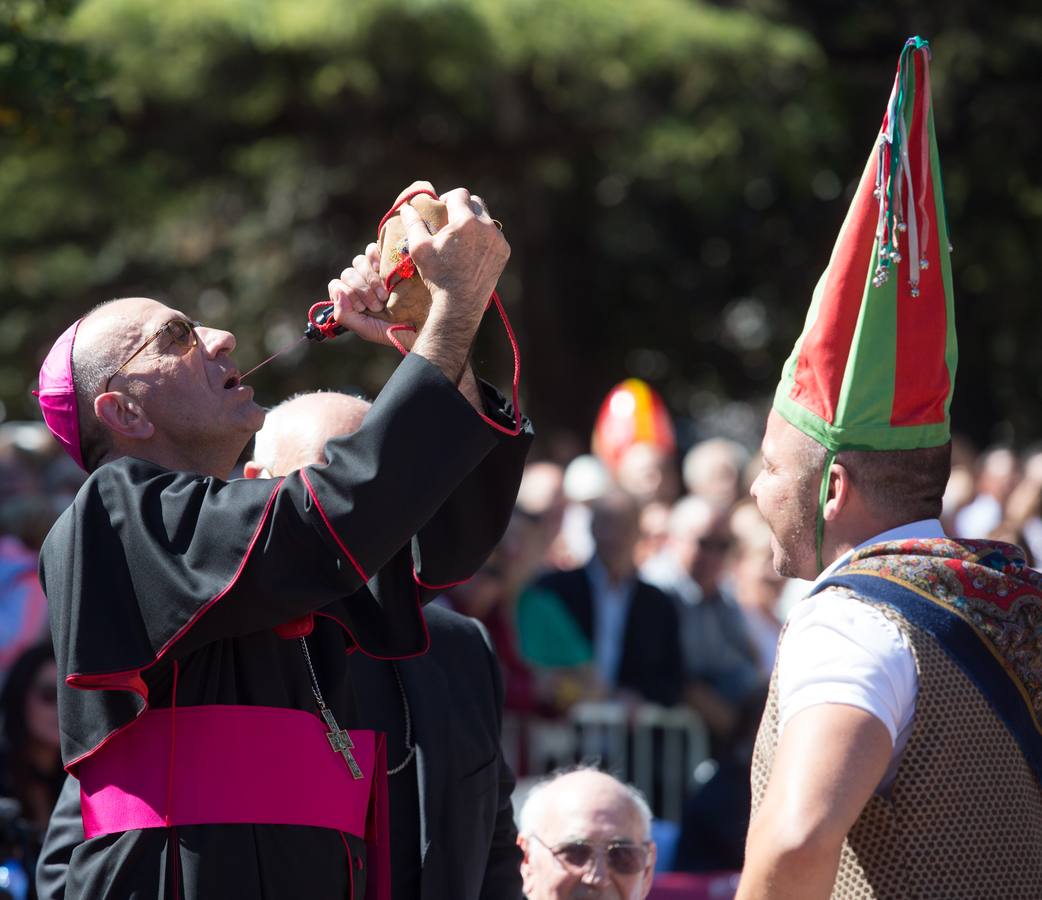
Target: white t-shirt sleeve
(839,650)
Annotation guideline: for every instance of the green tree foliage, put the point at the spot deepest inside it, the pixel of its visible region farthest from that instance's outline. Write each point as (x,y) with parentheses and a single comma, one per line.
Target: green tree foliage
(670,174)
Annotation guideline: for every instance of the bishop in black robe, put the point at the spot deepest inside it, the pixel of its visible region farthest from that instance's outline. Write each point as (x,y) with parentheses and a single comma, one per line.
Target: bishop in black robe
(168,588)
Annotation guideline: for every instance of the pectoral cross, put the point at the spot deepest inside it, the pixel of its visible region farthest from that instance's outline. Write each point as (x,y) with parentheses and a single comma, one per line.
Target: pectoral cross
(341,742)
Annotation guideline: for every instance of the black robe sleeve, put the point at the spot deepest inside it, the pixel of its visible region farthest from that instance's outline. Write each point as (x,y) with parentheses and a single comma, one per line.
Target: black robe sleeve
(451,547)
(64,834)
(383,616)
(150,564)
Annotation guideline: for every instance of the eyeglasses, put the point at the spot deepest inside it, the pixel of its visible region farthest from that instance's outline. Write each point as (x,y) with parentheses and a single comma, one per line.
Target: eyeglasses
(714,545)
(179,333)
(622,857)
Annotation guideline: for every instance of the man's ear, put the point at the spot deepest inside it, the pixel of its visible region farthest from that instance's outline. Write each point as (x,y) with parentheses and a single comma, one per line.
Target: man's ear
(840,487)
(528,888)
(123,415)
(253,469)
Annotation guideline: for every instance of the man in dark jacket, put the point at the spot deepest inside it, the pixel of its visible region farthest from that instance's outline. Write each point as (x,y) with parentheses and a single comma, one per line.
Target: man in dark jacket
(631,626)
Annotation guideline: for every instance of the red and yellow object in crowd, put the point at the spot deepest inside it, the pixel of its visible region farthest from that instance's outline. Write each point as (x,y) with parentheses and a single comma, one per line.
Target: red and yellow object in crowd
(632,413)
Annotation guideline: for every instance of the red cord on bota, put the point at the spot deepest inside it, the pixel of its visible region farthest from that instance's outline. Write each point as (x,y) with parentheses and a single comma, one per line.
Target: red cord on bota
(322,325)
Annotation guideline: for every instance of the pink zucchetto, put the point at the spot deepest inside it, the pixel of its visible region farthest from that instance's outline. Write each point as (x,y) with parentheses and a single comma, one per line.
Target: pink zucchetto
(57,394)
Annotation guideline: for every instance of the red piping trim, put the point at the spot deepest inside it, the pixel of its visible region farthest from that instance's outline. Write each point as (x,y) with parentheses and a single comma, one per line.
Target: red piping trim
(115,681)
(361,649)
(336,537)
(516,430)
(438,587)
(131,678)
(108,737)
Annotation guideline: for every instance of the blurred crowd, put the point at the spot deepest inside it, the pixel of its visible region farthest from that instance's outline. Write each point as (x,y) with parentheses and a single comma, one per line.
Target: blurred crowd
(644,580)
(37,481)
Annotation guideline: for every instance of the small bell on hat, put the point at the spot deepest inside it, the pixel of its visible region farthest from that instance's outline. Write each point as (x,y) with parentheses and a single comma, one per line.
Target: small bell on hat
(632,413)
(875,365)
(57,394)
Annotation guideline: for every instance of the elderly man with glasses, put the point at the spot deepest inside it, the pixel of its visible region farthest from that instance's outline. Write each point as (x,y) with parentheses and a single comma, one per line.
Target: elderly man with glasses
(586,836)
(202,626)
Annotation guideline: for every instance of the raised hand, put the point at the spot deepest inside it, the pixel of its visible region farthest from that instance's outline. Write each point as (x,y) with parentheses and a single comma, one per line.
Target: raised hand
(460,265)
(462,262)
(358,292)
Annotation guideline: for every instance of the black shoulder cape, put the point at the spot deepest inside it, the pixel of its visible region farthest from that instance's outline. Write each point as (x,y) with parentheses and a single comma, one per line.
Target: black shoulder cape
(148,565)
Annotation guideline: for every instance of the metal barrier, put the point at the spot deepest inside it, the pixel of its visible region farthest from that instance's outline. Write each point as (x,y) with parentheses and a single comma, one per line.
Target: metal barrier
(654,747)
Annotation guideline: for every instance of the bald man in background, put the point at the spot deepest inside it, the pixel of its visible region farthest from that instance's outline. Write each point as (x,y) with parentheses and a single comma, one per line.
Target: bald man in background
(586,836)
(452,830)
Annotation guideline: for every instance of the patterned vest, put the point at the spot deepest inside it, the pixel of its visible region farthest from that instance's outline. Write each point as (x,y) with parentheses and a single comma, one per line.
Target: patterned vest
(963,818)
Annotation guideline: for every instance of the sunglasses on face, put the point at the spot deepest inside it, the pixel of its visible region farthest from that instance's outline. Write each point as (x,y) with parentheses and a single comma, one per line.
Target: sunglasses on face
(622,857)
(177,333)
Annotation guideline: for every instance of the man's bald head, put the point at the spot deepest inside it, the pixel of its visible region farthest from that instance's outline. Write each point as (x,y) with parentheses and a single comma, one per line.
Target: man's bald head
(115,327)
(107,335)
(295,432)
(588,789)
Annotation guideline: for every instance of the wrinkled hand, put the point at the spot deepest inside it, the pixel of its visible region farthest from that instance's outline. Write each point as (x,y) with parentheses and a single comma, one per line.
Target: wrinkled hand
(462,262)
(360,291)
(459,265)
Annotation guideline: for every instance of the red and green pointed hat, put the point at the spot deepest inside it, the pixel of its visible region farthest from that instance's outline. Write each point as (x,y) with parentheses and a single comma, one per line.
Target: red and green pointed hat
(875,365)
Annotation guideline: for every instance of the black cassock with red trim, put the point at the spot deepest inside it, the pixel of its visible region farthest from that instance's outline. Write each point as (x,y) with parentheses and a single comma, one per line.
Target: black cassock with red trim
(153,575)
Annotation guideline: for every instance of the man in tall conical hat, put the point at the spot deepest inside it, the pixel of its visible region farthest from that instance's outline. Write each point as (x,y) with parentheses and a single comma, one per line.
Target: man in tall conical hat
(900,751)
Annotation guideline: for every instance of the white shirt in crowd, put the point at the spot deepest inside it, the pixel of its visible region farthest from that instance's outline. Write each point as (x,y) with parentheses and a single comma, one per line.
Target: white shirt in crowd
(840,650)
(611,607)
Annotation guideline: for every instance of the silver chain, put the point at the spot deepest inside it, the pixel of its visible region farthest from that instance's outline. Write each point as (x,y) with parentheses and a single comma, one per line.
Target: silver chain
(409,745)
(314,681)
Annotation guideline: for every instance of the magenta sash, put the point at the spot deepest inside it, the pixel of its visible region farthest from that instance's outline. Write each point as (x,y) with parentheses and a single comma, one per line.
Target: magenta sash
(209,765)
